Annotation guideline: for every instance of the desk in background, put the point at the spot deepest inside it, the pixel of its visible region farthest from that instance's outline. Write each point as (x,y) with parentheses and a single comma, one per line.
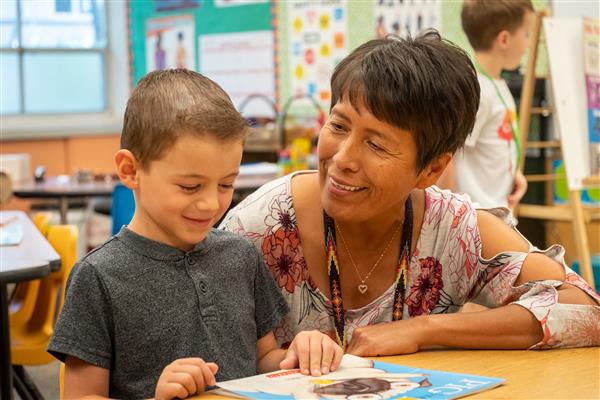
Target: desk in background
(548,374)
(32,258)
(62,188)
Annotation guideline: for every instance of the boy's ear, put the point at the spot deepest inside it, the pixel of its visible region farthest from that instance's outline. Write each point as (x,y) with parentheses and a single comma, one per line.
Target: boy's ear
(127,168)
(431,174)
(502,39)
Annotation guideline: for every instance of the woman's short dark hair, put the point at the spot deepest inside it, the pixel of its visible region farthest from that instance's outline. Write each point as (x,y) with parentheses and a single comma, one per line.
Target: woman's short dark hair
(426,85)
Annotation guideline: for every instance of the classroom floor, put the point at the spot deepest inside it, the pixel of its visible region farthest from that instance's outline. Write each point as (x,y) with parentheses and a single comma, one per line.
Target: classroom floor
(46,380)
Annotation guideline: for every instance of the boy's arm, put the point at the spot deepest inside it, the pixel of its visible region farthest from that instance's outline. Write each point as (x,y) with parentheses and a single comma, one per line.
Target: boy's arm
(312,351)
(84,380)
(518,191)
(268,354)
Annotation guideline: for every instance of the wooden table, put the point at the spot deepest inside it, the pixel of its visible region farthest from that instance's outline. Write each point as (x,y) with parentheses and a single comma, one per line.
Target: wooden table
(62,188)
(32,258)
(549,374)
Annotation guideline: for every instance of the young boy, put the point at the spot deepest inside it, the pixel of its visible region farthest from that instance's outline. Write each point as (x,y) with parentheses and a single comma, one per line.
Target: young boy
(169,305)
(487,168)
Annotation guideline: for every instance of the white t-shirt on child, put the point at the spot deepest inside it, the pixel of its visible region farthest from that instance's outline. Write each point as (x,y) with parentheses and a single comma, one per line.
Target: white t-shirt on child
(485,168)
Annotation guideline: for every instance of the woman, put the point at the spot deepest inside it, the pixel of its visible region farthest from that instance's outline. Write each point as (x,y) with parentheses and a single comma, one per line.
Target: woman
(367,239)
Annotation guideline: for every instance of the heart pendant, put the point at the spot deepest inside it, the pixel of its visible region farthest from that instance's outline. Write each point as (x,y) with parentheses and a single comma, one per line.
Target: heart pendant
(362,288)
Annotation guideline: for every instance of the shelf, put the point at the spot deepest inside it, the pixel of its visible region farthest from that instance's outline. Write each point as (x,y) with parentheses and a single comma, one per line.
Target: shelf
(555,213)
(544,177)
(548,144)
(543,111)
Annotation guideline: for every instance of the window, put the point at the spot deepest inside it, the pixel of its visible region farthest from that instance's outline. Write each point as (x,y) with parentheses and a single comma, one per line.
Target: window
(58,59)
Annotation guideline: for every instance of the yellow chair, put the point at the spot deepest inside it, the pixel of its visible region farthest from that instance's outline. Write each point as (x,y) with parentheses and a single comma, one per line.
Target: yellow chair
(42,222)
(23,300)
(29,341)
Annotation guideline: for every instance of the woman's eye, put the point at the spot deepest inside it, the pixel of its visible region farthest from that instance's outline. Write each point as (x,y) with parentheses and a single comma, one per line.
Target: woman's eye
(336,127)
(375,146)
(226,186)
(189,188)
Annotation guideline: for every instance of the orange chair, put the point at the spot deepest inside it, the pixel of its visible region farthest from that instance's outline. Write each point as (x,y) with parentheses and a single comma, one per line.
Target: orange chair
(29,341)
(23,300)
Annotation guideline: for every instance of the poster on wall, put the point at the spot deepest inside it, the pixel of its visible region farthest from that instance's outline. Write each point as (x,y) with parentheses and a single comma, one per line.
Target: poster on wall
(591,56)
(230,3)
(243,64)
(318,41)
(404,17)
(170,43)
(170,5)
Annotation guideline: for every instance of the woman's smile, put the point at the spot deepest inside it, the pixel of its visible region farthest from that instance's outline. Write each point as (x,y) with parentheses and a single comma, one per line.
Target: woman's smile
(341,186)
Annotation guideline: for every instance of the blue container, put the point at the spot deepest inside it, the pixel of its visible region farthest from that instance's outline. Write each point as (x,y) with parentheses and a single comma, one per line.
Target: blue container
(123,207)
(595,269)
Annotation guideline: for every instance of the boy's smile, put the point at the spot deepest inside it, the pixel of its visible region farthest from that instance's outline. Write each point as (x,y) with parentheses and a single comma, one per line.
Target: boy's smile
(183,194)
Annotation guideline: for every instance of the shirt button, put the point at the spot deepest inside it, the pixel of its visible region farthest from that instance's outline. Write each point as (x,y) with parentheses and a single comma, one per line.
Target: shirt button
(203,287)
(188,260)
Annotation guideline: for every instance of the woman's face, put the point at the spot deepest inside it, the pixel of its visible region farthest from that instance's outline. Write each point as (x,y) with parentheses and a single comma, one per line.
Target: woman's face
(366,167)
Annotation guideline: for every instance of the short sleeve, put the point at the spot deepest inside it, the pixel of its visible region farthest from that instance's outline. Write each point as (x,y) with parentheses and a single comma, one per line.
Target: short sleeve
(270,306)
(482,117)
(84,326)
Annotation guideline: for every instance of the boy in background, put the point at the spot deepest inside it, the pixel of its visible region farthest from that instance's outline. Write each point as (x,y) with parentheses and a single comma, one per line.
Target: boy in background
(487,168)
(169,305)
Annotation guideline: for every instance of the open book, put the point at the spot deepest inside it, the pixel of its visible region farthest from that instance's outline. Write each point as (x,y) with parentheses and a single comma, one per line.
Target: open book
(359,378)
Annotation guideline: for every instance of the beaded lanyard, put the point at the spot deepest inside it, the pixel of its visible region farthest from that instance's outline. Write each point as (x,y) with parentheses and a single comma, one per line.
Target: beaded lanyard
(333,271)
(514,124)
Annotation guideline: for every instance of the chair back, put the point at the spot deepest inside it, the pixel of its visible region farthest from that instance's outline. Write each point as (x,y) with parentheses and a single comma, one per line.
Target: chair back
(123,207)
(24,298)
(42,222)
(29,342)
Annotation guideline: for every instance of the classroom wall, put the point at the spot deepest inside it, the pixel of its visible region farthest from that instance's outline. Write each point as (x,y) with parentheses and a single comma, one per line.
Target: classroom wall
(64,156)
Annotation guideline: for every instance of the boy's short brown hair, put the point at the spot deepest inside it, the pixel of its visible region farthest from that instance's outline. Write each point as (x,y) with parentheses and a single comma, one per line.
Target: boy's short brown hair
(170,103)
(483,20)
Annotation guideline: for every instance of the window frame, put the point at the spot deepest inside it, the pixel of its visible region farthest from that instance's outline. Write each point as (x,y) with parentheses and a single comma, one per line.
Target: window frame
(116,75)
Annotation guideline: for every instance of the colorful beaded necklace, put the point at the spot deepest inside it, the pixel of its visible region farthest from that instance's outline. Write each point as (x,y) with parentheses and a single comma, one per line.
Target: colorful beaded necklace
(333,270)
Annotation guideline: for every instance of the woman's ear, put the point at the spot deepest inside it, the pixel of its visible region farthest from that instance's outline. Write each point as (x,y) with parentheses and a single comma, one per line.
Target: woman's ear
(432,172)
(127,168)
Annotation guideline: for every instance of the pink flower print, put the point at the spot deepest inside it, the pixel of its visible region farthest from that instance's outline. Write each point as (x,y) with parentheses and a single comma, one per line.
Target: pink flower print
(282,256)
(426,290)
(281,214)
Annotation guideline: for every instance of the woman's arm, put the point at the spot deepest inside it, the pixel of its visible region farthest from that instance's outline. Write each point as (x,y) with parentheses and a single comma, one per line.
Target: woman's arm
(536,304)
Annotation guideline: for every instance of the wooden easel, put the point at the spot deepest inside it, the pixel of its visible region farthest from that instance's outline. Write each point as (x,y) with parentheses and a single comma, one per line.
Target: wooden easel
(573,212)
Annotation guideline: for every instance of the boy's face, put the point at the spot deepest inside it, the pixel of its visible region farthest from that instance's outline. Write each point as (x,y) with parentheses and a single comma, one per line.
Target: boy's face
(182,195)
(518,42)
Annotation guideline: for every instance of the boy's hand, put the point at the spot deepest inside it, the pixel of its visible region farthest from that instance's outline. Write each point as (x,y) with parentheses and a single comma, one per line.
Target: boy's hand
(314,352)
(518,191)
(185,377)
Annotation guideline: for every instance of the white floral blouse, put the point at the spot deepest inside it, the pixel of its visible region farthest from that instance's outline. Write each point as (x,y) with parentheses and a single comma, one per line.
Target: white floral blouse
(445,272)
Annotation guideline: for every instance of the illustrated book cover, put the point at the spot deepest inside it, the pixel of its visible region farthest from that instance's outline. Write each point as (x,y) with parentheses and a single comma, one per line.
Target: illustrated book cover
(359,378)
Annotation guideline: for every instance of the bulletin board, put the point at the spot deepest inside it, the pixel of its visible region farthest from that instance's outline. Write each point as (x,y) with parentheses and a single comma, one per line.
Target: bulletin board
(219,25)
(230,41)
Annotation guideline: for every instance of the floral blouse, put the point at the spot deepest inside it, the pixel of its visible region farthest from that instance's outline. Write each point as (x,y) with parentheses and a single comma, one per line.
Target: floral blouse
(446,271)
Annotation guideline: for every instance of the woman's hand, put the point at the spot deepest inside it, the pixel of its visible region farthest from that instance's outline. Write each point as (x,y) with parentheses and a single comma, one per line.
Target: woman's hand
(314,352)
(385,339)
(185,377)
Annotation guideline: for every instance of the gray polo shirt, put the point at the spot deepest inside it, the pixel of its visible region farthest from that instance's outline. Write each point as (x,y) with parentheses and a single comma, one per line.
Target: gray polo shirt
(134,305)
